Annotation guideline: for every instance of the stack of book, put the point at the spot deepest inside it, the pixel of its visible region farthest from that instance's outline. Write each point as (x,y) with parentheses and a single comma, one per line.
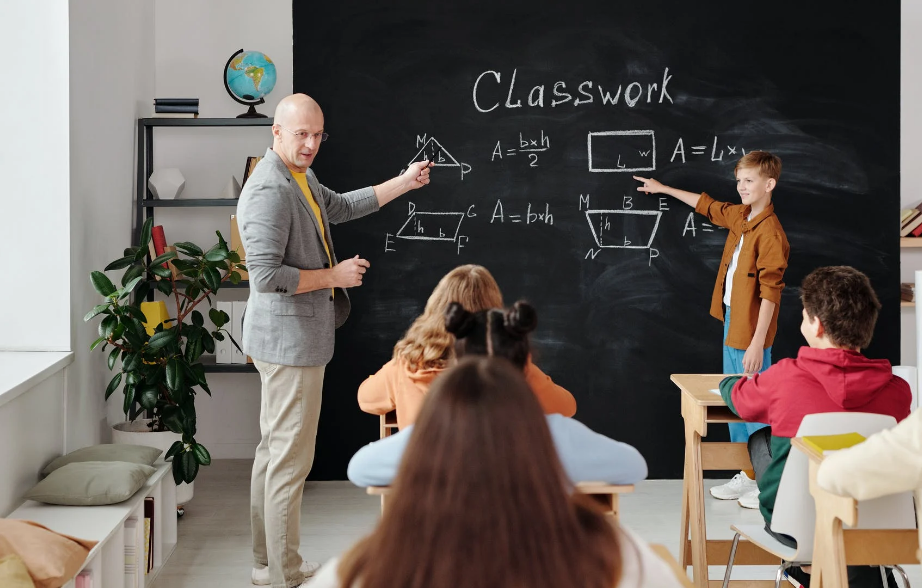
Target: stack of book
(907,292)
(911,222)
(176,107)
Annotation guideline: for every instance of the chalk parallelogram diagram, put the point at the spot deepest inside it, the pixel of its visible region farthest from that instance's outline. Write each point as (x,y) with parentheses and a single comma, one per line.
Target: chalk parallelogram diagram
(623,229)
(433,151)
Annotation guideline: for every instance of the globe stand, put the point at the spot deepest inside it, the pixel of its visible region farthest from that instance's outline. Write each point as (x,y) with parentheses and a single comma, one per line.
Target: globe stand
(251,113)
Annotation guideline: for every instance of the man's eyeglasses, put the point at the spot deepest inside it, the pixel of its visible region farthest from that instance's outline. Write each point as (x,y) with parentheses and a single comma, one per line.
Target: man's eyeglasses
(304,135)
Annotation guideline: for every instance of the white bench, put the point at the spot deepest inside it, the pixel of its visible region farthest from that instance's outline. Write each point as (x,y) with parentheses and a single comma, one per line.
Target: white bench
(106,524)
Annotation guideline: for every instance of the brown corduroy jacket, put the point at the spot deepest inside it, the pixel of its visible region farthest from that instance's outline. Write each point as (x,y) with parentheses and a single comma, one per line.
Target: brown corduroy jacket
(759,271)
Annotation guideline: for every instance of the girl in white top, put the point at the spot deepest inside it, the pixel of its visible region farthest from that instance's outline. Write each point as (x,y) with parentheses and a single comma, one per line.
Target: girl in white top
(481,500)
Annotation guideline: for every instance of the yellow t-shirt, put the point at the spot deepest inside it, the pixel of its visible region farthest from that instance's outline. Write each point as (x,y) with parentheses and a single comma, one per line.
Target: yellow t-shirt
(301,178)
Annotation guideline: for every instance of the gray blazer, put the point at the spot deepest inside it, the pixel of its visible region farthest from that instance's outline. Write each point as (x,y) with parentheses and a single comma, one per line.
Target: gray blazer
(281,235)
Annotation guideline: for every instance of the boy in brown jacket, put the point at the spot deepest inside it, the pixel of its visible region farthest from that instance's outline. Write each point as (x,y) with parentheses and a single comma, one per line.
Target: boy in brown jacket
(747,293)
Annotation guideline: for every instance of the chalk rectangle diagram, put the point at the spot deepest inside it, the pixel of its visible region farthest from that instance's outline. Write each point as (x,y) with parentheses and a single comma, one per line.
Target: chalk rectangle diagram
(621,151)
(432,226)
(623,229)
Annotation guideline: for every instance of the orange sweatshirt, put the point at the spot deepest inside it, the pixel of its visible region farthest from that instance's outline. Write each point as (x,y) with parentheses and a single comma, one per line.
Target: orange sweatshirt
(396,387)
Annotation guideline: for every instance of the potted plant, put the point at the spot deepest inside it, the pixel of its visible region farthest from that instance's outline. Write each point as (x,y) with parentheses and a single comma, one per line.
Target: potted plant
(158,373)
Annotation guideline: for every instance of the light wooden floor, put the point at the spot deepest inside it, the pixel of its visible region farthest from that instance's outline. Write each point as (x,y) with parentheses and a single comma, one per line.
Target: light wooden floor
(214,535)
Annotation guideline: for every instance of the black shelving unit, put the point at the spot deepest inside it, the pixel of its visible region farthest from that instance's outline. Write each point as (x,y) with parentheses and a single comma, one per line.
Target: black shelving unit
(145,203)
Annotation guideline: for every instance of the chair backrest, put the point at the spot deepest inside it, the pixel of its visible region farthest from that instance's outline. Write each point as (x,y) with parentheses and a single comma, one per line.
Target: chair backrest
(795,512)
(911,374)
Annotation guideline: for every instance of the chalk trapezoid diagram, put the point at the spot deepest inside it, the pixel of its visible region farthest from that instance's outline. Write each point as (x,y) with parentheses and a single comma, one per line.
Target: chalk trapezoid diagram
(431,226)
(623,229)
(439,156)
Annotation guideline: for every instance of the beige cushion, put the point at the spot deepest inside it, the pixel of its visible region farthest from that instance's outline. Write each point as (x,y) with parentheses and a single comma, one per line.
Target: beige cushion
(13,573)
(91,483)
(50,558)
(107,452)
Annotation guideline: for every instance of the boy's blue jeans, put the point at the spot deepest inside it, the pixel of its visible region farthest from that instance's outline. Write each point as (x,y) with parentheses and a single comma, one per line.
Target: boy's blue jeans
(733,364)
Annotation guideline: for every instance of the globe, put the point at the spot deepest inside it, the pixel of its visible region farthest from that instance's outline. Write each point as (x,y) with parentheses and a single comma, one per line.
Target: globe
(248,77)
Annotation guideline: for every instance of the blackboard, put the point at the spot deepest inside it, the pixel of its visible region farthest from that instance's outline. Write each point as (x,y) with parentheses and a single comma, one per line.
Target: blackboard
(600,88)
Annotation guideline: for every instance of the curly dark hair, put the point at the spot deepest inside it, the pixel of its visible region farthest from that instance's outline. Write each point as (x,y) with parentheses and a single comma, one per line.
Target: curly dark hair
(845,302)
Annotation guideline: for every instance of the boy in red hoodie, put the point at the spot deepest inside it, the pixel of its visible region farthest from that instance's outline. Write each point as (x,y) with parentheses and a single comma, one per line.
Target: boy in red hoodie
(831,375)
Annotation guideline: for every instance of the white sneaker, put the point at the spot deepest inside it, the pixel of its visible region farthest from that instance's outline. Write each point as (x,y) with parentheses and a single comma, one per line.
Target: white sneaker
(732,490)
(749,499)
(260,575)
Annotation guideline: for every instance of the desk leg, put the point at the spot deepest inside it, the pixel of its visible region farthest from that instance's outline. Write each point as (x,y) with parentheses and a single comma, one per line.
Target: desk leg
(694,486)
(683,523)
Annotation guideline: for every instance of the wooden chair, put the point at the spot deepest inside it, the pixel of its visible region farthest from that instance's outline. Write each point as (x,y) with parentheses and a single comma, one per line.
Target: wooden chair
(663,553)
(794,513)
(388,424)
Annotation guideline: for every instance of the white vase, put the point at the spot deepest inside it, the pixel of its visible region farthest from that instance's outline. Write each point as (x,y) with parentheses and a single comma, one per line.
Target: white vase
(138,433)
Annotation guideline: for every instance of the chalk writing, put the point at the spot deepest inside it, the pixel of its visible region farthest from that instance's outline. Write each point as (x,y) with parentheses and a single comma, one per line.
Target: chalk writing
(530,146)
(621,151)
(716,154)
(433,151)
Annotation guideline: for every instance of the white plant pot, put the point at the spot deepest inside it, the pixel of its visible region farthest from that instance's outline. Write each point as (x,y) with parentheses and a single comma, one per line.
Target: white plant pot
(138,433)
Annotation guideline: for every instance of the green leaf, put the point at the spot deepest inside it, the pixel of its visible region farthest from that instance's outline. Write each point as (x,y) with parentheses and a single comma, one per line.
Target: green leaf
(113,385)
(107,326)
(129,287)
(184,265)
(141,293)
(189,466)
(208,343)
(102,284)
(179,476)
(148,397)
(212,278)
(216,253)
(133,272)
(120,263)
(145,234)
(97,310)
(188,248)
(219,336)
(221,241)
(160,271)
(235,343)
(113,357)
(131,362)
(217,317)
(193,291)
(235,278)
(173,421)
(194,349)
(130,251)
(162,339)
(241,268)
(201,454)
(233,256)
(129,398)
(163,258)
(134,312)
(174,449)
(165,286)
(197,319)
(175,378)
(96,343)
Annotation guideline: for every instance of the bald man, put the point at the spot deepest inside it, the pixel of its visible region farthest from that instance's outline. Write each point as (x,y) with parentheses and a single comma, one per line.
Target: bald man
(297,298)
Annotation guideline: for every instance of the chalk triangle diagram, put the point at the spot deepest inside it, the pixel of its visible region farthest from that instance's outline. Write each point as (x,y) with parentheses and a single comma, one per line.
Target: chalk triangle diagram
(439,156)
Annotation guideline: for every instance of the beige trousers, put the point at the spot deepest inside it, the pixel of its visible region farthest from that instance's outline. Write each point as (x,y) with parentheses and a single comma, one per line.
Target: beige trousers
(288,417)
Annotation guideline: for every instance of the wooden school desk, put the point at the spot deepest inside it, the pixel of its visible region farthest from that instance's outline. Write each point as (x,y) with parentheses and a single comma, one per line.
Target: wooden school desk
(701,407)
(833,546)
(388,424)
(606,495)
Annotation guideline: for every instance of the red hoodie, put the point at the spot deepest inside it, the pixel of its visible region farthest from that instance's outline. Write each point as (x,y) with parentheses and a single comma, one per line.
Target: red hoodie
(820,380)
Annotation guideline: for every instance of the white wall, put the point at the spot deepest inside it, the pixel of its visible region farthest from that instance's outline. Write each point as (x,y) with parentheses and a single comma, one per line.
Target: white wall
(34,191)
(113,41)
(33,426)
(910,154)
(193,41)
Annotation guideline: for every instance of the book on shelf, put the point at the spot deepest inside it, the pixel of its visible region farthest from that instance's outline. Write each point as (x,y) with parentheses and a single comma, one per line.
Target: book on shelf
(906,214)
(84,580)
(149,531)
(911,226)
(827,443)
(250,166)
(158,238)
(178,108)
(175,101)
(908,292)
(175,115)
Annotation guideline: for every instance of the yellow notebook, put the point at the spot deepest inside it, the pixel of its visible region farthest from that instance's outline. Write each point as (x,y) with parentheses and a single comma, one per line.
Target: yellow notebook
(824,443)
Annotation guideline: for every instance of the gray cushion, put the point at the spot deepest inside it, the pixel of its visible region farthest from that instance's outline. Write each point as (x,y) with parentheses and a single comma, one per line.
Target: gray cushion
(91,483)
(107,452)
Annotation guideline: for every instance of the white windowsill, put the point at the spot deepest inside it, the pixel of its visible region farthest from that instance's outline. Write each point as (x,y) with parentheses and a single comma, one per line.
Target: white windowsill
(23,370)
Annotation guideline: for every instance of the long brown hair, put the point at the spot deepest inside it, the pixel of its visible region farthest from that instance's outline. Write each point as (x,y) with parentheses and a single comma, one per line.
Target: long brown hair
(426,343)
(481,500)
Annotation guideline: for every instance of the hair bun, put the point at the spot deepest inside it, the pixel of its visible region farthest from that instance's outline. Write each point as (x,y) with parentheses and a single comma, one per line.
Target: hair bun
(521,319)
(458,321)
